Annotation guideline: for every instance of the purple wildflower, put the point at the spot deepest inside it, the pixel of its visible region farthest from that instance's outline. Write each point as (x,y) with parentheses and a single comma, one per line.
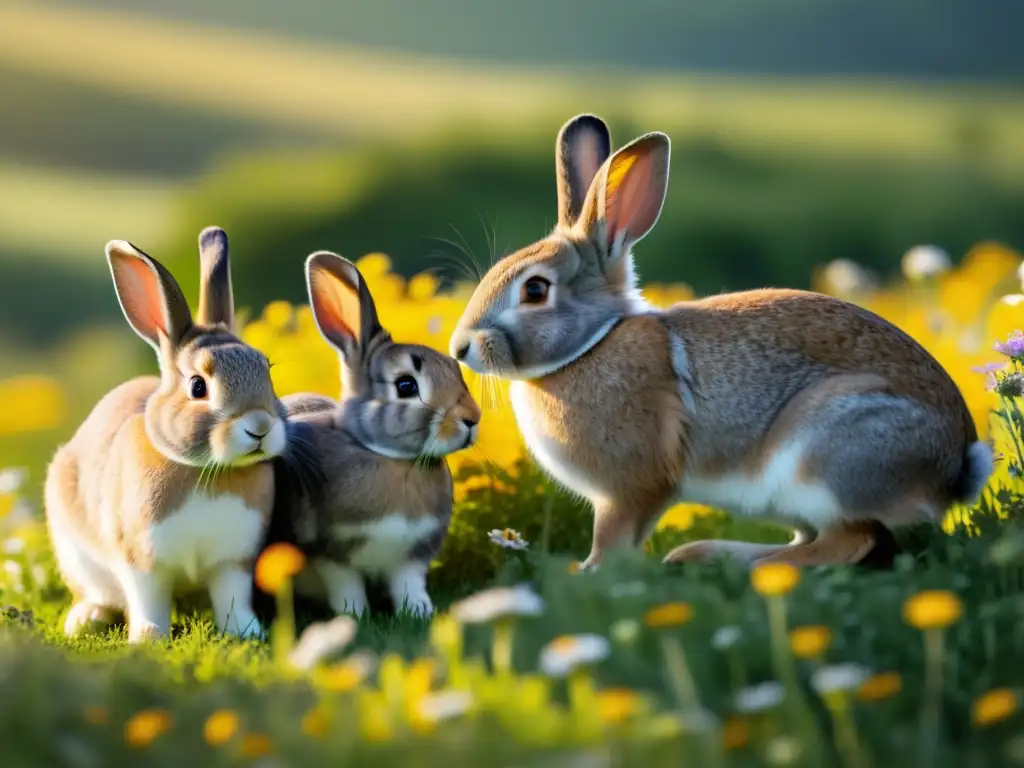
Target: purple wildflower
(1013,347)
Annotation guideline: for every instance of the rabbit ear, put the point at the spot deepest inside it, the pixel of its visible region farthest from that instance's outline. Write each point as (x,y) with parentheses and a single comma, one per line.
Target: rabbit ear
(627,195)
(582,146)
(341,303)
(216,300)
(150,298)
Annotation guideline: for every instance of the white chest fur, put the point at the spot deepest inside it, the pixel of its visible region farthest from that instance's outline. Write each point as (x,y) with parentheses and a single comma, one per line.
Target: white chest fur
(206,532)
(546,451)
(385,542)
(778,490)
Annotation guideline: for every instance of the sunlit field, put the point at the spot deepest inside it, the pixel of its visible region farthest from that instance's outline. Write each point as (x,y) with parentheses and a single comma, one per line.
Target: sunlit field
(634,664)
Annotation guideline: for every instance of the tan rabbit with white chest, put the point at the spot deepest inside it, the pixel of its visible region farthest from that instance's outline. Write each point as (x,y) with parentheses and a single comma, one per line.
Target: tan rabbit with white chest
(166,487)
(383,501)
(782,404)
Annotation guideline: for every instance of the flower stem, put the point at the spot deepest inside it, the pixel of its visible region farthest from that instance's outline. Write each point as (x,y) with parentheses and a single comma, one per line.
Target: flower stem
(283,629)
(846,731)
(800,715)
(501,649)
(931,712)
(686,693)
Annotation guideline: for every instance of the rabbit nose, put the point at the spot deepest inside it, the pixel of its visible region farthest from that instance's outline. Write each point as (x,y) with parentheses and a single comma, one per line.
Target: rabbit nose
(256,436)
(462,351)
(471,422)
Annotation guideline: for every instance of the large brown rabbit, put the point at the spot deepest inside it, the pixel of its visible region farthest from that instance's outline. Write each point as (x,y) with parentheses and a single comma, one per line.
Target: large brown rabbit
(166,487)
(770,403)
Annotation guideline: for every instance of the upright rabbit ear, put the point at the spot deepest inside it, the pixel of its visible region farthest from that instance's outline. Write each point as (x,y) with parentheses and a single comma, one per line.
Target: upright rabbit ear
(626,197)
(582,146)
(216,300)
(341,303)
(150,298)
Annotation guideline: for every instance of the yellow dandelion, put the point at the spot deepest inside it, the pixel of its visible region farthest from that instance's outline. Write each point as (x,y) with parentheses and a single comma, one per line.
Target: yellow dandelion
(994,707)
(375,720)
(446,634)
(340,678)
(574,568)
(96,715)
(735,733)
(220,727)
(668,615)
(774,579)
(256,745)
(881,686)
(314,723)
(278,564)
(617,705)
(932,609)
(809,642)
(145,727)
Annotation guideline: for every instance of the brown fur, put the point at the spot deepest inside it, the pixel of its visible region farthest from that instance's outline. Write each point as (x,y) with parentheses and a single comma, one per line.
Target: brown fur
(789,391)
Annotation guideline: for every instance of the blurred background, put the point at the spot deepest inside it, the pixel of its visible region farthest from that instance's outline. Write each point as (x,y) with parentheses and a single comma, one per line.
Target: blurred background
(804,132)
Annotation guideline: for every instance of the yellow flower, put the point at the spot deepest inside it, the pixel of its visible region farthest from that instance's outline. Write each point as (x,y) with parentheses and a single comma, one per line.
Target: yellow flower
(278,564)
(220,727)
(314,723)
(617,705)
(340,678)
(809,642)
(145,727)
(880,686)
(375,720)
(994,707)
(96,715)
(668,615)
(932,609)
(735,733)
(574,568)
(256,745)
(446,634)
(774,579)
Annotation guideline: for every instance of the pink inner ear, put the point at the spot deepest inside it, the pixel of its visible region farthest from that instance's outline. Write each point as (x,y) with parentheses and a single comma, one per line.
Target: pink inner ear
(143,301)
(335,304)
(588,162)
(632,197)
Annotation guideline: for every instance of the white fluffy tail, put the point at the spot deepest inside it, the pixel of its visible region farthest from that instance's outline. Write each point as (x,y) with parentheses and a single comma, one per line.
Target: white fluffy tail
(977,468)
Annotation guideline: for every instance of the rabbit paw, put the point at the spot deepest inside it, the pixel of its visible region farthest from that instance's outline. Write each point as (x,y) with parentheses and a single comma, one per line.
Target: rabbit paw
(85,616)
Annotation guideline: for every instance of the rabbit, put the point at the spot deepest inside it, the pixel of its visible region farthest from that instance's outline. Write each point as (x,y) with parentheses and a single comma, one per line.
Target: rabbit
(167,487)
(779,404)
(383,505)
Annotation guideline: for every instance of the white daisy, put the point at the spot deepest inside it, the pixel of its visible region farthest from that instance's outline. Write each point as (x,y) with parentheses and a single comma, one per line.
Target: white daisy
(444,705)
(925,262)
(725,638)
(14,546)
(839,677)
(323,639)
(847,277)
(11,479)
(758,698)
(625,631)
(564,654)
(507,539)
(497,603)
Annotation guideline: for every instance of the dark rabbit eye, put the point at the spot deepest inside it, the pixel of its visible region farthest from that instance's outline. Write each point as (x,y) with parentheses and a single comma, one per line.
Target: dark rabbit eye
(534,291)
(407,386)
(197,387)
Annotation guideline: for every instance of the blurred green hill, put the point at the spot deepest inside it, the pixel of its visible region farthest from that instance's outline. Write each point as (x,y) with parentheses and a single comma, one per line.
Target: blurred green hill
(975,39)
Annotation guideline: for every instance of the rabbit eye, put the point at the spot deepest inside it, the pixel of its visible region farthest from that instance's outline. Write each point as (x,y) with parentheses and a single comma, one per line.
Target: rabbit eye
(407,386)
(197,387)
(534,291)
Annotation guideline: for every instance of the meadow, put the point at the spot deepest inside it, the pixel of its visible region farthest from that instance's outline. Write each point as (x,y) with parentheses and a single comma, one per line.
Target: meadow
(542,665)
(150,125)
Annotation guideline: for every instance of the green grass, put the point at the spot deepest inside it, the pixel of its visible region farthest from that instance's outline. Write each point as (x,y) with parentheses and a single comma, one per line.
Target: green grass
(58,682)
